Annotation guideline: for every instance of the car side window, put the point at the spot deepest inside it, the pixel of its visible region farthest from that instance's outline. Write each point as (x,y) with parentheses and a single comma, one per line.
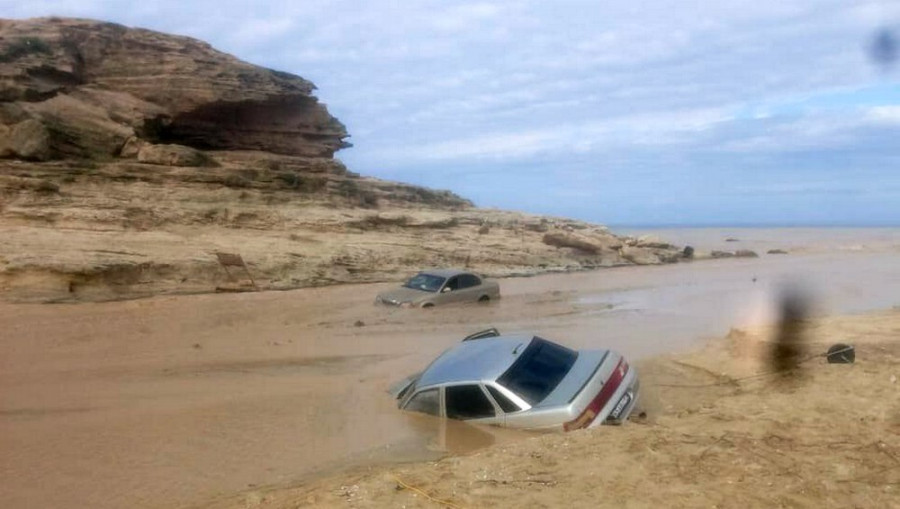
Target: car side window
(467,402)
(453,283)
(426,402)
(468,281)
(505,403)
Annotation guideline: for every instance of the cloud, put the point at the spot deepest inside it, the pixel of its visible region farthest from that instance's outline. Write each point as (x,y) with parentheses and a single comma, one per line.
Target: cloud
(464,17)
(629,100)
(660,128)
(253,31)
(889,115)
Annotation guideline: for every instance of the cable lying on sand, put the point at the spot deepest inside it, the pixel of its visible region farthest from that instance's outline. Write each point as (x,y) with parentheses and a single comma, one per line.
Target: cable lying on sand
(847,352)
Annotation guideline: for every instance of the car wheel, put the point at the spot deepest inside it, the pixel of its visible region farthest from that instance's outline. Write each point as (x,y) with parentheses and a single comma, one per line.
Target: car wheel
(428,305)
(484,298)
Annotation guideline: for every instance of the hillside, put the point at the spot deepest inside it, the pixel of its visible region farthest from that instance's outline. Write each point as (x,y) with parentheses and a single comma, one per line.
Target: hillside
(130,158)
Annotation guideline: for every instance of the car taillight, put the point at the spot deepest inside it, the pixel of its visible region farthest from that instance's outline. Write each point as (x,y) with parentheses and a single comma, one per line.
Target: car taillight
(622,367)
(601,399)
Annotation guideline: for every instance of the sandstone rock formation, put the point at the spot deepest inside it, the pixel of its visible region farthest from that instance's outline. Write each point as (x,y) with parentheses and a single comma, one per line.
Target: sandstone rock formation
(171,155)
(130,160)
(94,85)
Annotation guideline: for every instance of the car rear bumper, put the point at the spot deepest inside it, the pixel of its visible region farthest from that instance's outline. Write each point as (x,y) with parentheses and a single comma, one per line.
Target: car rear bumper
(625,404)
(623,401)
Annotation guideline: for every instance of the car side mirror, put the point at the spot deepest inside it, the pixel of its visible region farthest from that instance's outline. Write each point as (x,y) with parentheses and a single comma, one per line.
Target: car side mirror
(446,289)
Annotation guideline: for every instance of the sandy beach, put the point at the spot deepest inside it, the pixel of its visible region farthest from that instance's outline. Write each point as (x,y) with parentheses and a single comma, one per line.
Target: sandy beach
(278,398)
(722,437)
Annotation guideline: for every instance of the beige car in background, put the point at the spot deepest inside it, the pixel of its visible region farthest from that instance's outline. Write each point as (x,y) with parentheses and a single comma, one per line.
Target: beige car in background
(438,287)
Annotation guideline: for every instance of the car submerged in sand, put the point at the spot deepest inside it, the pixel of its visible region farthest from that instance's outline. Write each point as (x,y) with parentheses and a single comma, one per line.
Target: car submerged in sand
(523,381)
(437,287)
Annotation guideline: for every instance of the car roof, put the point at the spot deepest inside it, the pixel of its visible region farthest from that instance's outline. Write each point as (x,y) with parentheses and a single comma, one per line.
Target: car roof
(471,361)
(444,272)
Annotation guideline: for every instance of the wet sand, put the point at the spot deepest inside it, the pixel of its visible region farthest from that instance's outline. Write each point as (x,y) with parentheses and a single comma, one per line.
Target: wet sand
(723,432)
(174,401)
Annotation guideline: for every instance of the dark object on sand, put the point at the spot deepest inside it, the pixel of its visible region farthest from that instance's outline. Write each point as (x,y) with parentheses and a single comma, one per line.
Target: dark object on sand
(688,252)
(776,251)
(840,353)
(732,239)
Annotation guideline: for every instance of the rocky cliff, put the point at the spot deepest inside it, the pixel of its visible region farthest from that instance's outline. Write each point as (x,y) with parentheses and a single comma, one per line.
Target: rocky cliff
(79,88)
(130,160)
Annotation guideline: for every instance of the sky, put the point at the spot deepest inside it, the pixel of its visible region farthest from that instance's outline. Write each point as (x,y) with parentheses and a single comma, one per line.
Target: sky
(658,112)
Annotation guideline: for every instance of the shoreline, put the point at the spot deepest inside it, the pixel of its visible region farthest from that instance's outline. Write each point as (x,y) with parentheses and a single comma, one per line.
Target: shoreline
(339,258)
(700,257)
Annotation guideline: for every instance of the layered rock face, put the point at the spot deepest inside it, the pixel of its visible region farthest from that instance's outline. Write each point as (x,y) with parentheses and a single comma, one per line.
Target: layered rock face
(131,160)
(82,89)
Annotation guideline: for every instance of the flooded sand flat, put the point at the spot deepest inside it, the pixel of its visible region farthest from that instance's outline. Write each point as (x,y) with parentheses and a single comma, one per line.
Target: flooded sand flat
(176,400)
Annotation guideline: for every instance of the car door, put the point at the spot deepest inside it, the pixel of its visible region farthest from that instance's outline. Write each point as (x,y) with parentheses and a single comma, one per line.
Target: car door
(469,287)
(449,292)
(470,402)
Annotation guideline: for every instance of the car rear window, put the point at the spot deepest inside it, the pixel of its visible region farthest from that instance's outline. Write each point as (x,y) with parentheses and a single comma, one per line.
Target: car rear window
(538,370)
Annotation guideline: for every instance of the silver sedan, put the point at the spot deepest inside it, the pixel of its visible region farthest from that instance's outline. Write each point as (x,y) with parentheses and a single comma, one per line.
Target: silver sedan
(443,286)
(523,381)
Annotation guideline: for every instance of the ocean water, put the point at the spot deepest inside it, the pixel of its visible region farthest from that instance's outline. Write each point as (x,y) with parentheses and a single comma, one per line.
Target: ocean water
(795,239)
(650,310)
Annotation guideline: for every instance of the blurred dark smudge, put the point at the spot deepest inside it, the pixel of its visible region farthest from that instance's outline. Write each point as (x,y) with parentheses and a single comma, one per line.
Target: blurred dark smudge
(789,347)
(885,47)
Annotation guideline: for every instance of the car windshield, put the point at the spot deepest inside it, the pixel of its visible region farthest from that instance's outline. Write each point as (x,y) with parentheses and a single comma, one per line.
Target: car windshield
(425,282)
(538,370)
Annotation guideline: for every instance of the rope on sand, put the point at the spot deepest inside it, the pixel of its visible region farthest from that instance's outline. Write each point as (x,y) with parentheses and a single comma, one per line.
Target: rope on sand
(426,495)
(732,381)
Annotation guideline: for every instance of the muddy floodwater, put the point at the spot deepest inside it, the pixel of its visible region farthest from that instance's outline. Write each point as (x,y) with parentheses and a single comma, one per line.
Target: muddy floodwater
(174,401)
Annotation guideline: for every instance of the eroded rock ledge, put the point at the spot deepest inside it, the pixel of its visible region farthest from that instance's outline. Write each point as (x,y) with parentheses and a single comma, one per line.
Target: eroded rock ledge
(74,88)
